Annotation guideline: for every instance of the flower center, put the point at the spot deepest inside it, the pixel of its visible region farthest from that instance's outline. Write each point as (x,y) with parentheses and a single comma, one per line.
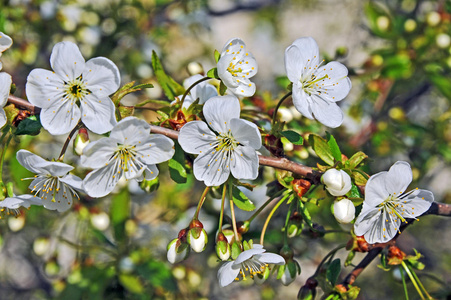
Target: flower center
(310,82)
(51,188)
(251,267)
(226,142)
(125,160)
(76,90)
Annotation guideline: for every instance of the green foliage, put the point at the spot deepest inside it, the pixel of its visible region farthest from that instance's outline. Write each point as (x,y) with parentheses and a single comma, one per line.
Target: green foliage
(29,126)
(241,200)
(170,87)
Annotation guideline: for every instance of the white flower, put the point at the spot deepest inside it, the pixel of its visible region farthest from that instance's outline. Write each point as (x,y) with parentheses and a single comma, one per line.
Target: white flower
(197,244)
(5,87)
(177,251)
(130,150)
(202,91)
(12,205)
(227,146)
(338,182)
(5,43)
(252,262)
(386,204)
(74,83)
(52,183)
(236,66)
(316,88)
(344,211)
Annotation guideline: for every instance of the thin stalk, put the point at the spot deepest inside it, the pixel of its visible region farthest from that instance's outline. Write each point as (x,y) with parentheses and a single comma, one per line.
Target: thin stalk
(221,216)
(201,202)
(287,220)
(232,212)
(3,135)
(190,88)
(414,282)
(404,283)
(66,143)
(331,253)
(274,116)
(260,209)
(262,236)
(421,285)
(2,159)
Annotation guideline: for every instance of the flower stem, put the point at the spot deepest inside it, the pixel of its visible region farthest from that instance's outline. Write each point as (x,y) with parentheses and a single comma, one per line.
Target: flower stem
(2,158)
(221,216)
(201,202)
(287,220)
(331,253)
(260,209)
(421,285)
(414,282)
(190,88)
(232,211)
(66,143)
(262,236)
(274,116)
(404,283)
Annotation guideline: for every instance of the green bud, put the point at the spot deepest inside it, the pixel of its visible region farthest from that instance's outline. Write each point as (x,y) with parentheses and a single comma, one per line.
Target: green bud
(236,250)
(223,250)
(81,141)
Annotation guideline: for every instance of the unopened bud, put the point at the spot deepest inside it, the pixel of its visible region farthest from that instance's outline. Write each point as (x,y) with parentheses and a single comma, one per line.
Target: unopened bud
(223,250)
(301,186)
(308,291)
(177,251)
(81,141)
(337,182)
(198,239)
(344,211)
(290,270)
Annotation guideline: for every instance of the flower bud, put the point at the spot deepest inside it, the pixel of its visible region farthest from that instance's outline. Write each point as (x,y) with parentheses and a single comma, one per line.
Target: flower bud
(308,291)
(290,270)
(177,251)
(81,141)
(198,239)
(301,186)
(344,211)
(260,278)
(337,182)
(223,250)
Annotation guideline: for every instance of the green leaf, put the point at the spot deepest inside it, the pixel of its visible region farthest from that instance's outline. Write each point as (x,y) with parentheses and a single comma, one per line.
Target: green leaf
(142,86)
(336,153)
(333,271)
(293,137)
(158,103)
(126,111)
(222,88)
(321,148)
(359,178)
(120,213)
(29,126)
(217,55)
(150,185)
(177,169)
(131,283)
(213,73)
(442,83)
(241,200)
(306,215)
(11,113)
(170,87)
(354,192)
(356,159)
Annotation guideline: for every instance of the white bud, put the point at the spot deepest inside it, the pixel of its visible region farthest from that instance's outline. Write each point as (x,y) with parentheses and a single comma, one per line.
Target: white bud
(177,254)
(344,211)
(443,40)
(100,221)
(285,115)
(197,244)
(337,182)
(292,269)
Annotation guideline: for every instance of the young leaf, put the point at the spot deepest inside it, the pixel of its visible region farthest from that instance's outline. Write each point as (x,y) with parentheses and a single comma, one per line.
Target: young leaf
(170,87)
(293,137)
(242,201)
(333,271)
(213,73)
(177,169)
(217,55)
(356,159)
(321,148)
(336,153)
(29,126)
(222,88)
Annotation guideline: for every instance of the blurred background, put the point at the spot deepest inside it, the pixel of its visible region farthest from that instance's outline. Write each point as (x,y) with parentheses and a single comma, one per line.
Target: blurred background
(398,53)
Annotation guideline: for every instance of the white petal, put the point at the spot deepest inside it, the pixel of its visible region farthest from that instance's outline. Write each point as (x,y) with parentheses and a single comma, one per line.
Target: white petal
(102,181)
(210,168)
(18,201)
(246,133)
(5,87)
(73,181)
(294,63)
(98,153)
(234,45)
(218,111)
(245,88)
(227,274)
(245,255)
(38,165)
(417,203)
(66,60)
(151,172)
(2,117)
(155,149)
(270,258)
(98,113)
(245,163)
(44,88)
(328,113)
(101,76)
(208,91)
(190,80)
(336,85)
(308,49)
(60,118)
(377,234)
(130,131)
(366,220)
(398,177)
(227,78)
(375,191)
(5,42)
(301,101)
(195,137)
